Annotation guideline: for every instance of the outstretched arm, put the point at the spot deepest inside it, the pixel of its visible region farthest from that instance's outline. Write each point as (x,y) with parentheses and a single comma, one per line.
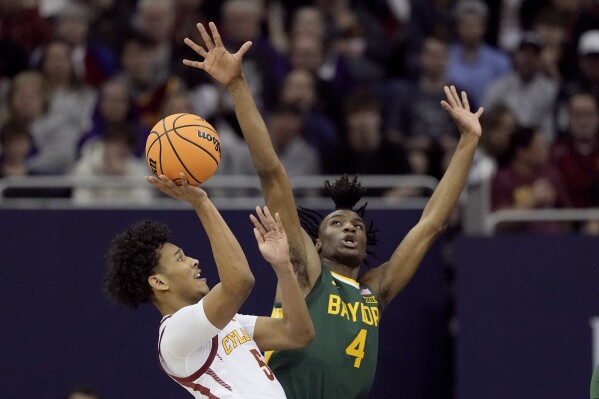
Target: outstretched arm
(236,279)
(295,330)
(390,278)
(225,68)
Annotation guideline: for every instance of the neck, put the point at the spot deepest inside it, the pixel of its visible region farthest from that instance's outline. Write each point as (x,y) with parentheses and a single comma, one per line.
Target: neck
(470,52)
(342,269)
(167,306)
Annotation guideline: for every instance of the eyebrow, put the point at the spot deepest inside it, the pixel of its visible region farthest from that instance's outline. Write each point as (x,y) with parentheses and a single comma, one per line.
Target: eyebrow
(178,251)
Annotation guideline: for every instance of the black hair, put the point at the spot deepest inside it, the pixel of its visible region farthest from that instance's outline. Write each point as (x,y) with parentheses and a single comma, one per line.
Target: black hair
(132,258)
(345,193)
(362,99)
(121,131)
(521,138)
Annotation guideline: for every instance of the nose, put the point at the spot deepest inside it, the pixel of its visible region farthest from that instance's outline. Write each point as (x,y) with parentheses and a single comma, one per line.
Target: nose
(349,227)
(195,262)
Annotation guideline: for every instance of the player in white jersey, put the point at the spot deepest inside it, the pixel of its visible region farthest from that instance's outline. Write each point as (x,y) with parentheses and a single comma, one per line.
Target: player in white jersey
(204,344)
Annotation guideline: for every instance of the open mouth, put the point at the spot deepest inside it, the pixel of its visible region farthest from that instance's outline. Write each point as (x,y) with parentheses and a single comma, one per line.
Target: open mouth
(349,242)
(197,276)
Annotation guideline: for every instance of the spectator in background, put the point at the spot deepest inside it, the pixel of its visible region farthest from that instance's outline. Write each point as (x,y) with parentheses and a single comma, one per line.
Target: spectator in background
(527,91)
(21,23)
(263,64)
(498,123)
(334,81)
(27,100)
(155,19)
(148,89)
(93,63)
(299,90)
(576,154)
(473,65)
(286,124)
(113,157)
(529,181)
(587,80)
(365,149)
(357,35)
(16,144)
(415,119)
(111,20)
(115,106)
(551,30)
(177,103)
(71,104)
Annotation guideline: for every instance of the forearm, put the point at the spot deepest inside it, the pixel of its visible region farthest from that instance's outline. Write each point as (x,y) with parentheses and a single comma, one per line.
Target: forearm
(296,317)
(233,269)
(253,127)
(441,204)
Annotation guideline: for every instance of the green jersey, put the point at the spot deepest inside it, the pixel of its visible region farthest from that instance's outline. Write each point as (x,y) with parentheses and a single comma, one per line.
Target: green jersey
(341,361)
(595,384)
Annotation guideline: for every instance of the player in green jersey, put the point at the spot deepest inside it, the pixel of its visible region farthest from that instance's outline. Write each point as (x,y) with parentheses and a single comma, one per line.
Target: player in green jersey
(345,307)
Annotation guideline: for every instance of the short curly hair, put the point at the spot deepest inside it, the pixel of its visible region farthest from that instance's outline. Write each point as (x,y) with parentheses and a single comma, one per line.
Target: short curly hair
(131,259)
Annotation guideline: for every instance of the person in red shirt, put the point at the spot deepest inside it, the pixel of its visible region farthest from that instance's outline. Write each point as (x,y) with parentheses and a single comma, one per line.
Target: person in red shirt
(576,155)
(529,181)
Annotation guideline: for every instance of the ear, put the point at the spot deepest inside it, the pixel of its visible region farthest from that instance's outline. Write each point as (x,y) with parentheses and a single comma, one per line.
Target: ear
(318,245)
(158,282)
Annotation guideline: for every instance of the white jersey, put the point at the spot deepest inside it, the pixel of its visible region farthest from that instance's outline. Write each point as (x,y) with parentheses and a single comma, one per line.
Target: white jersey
(213,363)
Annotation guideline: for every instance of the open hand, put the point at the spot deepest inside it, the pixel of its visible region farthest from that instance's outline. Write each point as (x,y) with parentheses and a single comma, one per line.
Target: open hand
(184,192)
(271,237)
(218,62)
(459,110)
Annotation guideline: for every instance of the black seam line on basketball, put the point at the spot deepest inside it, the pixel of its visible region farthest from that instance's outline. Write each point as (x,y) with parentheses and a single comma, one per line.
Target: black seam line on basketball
(179,127)
(160,151)
(199,146)
(157,140)
(173,147)
(179,158)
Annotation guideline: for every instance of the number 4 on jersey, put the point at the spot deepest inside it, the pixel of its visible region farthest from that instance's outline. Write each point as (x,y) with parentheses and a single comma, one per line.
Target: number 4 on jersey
(356,348)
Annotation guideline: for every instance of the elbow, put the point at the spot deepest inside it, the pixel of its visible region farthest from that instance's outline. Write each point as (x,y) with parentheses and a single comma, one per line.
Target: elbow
(304,337)
(270,169)
(246,284)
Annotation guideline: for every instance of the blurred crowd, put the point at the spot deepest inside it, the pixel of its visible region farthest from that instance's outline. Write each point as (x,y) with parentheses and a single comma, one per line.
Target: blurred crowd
(346,86)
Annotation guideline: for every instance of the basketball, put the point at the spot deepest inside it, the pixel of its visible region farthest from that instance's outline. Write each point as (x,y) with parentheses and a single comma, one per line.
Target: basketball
(183,143)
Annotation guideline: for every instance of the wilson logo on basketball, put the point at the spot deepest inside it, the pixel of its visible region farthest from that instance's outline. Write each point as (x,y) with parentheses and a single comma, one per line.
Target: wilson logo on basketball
(153,166)
(209,137)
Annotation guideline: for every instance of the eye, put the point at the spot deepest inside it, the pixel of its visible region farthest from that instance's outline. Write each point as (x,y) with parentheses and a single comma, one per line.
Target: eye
(179,259)
(359,227)
(336,223)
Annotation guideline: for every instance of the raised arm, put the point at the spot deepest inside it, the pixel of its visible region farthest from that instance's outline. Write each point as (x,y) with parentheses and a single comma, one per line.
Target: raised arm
(295,330)
(225,68)
(236,279)
(390,278)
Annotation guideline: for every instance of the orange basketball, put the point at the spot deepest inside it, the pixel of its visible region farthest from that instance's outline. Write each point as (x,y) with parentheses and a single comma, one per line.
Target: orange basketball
(183,143)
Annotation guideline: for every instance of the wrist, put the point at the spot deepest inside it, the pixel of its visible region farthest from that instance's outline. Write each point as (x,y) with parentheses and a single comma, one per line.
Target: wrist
(470,138)
(200,202)
(283,267)
(237,82)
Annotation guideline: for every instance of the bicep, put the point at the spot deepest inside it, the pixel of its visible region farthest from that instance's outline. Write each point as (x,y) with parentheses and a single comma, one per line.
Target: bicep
(187,330)
(270,334)
(392,276)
